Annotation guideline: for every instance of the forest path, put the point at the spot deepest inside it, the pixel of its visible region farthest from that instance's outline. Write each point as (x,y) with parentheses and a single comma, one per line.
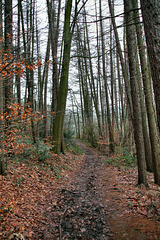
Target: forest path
(83,215)
(85,197)
(94,206)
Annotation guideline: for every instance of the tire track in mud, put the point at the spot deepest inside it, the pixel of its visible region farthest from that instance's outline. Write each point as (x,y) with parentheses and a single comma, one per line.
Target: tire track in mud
(83,215)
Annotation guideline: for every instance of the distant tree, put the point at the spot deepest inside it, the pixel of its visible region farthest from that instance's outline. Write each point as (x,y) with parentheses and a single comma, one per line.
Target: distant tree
(8,82)
(109,121)
(121,58)
(18,82)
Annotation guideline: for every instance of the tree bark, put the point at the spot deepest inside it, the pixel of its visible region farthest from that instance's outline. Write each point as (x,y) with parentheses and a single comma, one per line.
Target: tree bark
(2,164)
(63,88)
(119,49)
(151,19)
(8,82)
(109,122)
(150,10)
(137,115)
(18,82)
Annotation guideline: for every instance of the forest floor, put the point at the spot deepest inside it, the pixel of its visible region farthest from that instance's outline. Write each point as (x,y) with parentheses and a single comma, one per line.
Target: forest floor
(86,199)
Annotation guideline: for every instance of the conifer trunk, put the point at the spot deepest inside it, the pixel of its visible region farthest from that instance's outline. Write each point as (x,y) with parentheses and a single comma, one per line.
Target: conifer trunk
(137,115)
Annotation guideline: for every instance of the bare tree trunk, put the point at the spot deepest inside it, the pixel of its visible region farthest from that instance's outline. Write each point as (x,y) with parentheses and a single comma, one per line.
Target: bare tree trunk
(2,164)
(121,101)
(151,19)
(31,60)
(18,82)
(112,77)
(25,50)
(147,144)
(100,84)
(91,79)
(63,88)
(119,50)
(111,136)
(148,98)
(8,83)
(54,39)
(45,104)
(137,115)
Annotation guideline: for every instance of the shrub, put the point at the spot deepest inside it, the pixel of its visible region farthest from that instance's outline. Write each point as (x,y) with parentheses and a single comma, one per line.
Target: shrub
(122,158)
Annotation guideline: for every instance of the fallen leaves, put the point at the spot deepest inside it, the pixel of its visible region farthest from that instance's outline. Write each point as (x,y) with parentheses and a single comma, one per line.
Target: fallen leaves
(134,210)
(31,202)
(27,194)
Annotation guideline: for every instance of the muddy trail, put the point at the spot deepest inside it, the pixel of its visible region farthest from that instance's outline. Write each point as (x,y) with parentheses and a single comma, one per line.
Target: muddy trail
(87,199)
(82,213)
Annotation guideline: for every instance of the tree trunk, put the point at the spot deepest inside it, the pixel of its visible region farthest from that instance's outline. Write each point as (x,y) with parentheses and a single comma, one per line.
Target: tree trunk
(31,60)
(18,82)
(137,115)
(63,88)
(124,70)
(147,88)
(151,19)
(2,164)
(148,94)
(111,136)
(8,83)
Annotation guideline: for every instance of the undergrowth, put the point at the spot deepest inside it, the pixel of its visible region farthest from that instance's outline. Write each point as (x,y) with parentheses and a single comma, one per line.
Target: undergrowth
(87,143)
(72,146)
(122,158)
(40,156)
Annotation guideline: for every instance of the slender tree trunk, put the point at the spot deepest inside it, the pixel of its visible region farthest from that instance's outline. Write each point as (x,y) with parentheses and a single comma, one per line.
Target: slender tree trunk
(137,115)
(8,84)
(31,60)
(54,39)
(119,49)
(25,50)
(147,144)
(121,102)
(45,104)
(18,82)
(151,19)
(99,75)
(91,79)
(2,164)
(112,77)
(148,98)
(111,136)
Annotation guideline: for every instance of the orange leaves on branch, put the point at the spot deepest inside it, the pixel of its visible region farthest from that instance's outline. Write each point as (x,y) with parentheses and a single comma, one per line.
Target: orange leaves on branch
(39,63)
(30,67)
(51,112)
(4,74)
(9,36)
(20,119)
(9,67)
